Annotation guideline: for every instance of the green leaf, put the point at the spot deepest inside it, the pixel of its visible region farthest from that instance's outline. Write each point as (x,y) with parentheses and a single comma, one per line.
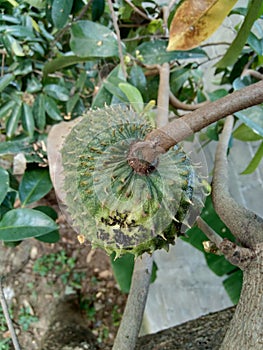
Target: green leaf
(255,43)
(49,211)
(233,285)
(6,109)
(52,109)
(28,120)
(252,117)
(134,96)
(154,52)
(5,81)
(246,134)
(104,96)
(51,237)
(62,62)
(35,184)
(13,147)
(4,181)
(12,123)
(137,78)
(33,85)
(57,92)
(97,9)
(89,39)
(19,224)
(60,12)
(252,166)
(39,112)
(122,270)
(12,46)
(239,42)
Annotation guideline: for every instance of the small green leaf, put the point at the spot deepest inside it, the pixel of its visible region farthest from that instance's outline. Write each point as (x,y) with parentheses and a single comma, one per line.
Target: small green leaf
(33,85)
(12,123)
(5,81)
(154,52)
(62,62)
(28,120)
(89,39)
(239,42)
(60,12)
(52,109)
(48,211)
(19,224)
(246,134)
(51,237)
(137,77)
(122,270)
(39,112)
(134,96)
(57,92)
(4,181)
(252,117)
(35,184)
(6,109)
(252,166)
(97,9)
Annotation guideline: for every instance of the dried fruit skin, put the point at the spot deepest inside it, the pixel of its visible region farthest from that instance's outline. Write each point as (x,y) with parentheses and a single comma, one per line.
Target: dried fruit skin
(110,204)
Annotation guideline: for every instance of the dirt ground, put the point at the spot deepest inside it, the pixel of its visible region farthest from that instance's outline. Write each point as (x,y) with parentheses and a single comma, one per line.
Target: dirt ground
(39,272)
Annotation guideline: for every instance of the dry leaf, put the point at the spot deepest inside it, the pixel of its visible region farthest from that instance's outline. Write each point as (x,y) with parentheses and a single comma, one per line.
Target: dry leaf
(196,20)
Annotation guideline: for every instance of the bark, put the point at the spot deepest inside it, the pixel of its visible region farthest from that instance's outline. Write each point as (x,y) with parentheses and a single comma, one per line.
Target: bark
(246,328)
(204,333)
(160,140)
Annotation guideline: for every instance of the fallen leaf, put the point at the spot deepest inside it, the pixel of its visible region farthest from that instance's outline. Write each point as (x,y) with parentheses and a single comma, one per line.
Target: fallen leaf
(196,20)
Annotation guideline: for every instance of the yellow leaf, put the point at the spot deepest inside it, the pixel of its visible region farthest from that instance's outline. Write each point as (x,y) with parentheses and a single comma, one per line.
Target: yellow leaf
(195,21)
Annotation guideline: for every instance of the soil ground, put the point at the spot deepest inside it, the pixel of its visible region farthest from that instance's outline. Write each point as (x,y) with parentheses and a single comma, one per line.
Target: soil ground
(39,273)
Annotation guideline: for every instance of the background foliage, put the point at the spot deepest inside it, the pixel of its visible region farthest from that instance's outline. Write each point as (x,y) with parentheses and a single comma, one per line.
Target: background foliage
(61,57)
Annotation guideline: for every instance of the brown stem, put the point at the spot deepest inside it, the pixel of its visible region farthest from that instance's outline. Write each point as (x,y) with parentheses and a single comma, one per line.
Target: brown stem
(8,318)
(117,30)
(175,102)
(160,140)
(131,321)
(245,225)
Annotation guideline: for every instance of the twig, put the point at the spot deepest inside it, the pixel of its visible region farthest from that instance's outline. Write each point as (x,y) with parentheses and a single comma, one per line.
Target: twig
(7,317)
(175,102)
(253,73)
(163,95)
(132,317)
(245,225)
(115,24)
(142,14)
(209,232)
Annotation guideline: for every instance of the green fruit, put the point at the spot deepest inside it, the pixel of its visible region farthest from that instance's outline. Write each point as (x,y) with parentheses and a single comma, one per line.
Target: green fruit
(110,204)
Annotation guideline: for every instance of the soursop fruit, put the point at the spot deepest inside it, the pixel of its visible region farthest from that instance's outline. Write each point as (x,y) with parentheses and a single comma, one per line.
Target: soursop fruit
(113,206)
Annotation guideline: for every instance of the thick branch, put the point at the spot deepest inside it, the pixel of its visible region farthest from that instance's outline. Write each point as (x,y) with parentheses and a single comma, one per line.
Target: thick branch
(245,225)
(176,131)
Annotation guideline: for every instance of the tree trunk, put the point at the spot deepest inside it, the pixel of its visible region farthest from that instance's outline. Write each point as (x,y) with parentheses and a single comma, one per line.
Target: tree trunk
(246,327)
(204,333)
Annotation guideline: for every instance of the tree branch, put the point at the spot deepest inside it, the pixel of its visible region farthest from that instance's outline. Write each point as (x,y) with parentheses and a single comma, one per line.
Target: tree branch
(245,225)
(160,140)
(132,317)
(8,318)
(115,23)
(175,102)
